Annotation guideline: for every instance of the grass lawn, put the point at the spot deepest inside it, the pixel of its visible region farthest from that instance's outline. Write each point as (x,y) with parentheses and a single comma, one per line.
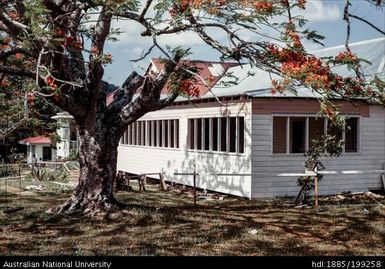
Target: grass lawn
(166,223)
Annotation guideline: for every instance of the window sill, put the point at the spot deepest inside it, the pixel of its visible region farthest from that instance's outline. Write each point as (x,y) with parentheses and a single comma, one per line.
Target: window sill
(351,153)
(287,154)
(216,152)
(302,154)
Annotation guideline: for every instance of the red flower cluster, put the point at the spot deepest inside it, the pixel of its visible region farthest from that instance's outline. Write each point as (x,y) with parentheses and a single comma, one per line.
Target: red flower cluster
(293,36)
(19,56)
(51,82)
(184,5)
(75,43)
(314,73)
(279,85)
(107,58)
(301,3)
(6,43)
(187,86)
(263,6)
(31,98)
(68,41)
(346,57)
(4,83)
(13,15)
(178,8)
(95,51)
(60,32)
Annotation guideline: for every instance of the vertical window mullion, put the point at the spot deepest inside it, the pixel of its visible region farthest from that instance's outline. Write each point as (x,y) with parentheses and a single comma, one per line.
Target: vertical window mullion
(144,143)
(147,133)
(190,134)
(287,135)
(164,133)
(169,133)
(157,133)
(211,134)
(152,133)
(129,134)
(203,131)
(138,133)
(143,137)
(176,138)
(133,133)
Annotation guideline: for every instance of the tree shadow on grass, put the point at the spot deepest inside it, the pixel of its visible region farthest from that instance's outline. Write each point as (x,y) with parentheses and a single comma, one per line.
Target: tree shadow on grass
(232,227)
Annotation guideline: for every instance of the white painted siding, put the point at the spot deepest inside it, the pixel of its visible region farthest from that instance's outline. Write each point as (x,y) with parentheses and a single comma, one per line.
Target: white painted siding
(265,164)
(39,152)
(141,159)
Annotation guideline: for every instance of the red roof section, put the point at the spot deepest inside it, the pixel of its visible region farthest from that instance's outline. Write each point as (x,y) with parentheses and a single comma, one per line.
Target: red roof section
(110,98)
(207,71)
(36,140)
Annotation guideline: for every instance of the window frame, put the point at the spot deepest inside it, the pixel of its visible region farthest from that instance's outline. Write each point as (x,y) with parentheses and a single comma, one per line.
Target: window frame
(307,124)
(140,130)
(194,120)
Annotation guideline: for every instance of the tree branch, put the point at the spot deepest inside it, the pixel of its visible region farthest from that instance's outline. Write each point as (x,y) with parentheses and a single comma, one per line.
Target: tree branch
(125,93)
(14,71)
(148,3)
(14,26)
(13,51)
(367,22)
(149,99)
(96,70)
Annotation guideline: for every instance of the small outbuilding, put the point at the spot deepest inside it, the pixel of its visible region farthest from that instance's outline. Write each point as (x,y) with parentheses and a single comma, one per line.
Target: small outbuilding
(41,146)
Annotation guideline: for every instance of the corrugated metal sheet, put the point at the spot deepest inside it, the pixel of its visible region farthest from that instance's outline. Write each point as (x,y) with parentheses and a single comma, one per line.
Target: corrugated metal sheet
(257,83)
(254,82)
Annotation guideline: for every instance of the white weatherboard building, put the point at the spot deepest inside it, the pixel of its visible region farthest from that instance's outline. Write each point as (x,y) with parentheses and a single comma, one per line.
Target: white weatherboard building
(41,147)
(240,148)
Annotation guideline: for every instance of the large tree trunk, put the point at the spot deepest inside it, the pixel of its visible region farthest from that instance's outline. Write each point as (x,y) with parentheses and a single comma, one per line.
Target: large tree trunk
(98,160)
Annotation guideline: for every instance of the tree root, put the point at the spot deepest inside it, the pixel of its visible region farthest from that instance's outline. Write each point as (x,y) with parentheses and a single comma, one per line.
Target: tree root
(88,206)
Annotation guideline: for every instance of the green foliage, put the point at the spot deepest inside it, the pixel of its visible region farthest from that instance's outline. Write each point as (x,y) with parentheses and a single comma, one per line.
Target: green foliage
(322,147)
(29,119)
(313,36)
(325,146)
(49,174)
(36,13)
(74,155)
(8,171)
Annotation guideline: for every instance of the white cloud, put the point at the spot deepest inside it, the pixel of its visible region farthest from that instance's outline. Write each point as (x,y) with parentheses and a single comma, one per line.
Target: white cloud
(318,11)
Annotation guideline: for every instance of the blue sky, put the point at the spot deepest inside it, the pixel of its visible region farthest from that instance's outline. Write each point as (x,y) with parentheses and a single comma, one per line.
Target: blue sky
(325,16)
